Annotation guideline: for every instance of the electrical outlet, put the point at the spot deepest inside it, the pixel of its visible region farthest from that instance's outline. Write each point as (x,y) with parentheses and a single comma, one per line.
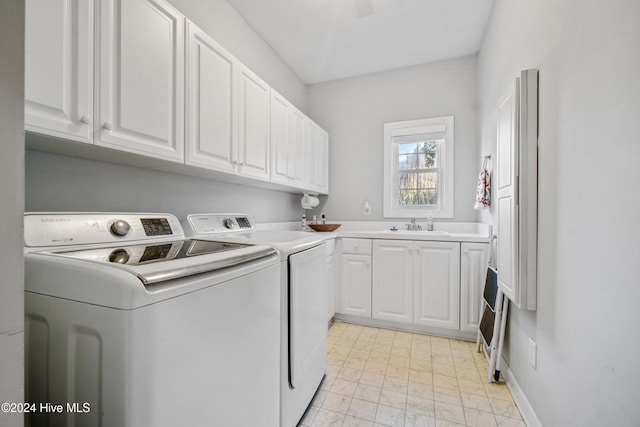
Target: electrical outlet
(533,353)
(366,208)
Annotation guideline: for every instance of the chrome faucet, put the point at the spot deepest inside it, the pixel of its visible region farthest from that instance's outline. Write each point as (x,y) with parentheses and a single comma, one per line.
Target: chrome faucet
(413,226)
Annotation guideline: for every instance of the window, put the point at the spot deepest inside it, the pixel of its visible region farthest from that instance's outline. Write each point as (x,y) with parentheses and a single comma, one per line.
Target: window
(418,169)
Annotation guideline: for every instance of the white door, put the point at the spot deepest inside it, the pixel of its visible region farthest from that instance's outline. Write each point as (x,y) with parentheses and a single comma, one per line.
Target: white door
(298,147)
(280,139)
(437,284)
(307,312)
(392,280)
(254,124)
(141,90)
(355,279)
(473,270)
(323,161)
(59,58)
(211,103)
(507,195)
(312,183)
(331,271)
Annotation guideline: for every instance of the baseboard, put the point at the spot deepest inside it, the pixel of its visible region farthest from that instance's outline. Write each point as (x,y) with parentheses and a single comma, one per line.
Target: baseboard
(526,410)
(407,327)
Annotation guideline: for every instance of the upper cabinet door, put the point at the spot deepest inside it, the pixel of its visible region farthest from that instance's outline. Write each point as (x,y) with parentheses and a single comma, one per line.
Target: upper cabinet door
(141,74)
(312,157)
(323,161)
(211,103)
(59,56)
(280,139)
(254,125)
(298,147)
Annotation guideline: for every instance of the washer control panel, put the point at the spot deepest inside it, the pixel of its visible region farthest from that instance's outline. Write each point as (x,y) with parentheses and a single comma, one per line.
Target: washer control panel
(65,229)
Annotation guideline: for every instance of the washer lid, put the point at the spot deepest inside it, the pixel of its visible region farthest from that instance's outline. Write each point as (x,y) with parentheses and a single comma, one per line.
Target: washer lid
(160,261)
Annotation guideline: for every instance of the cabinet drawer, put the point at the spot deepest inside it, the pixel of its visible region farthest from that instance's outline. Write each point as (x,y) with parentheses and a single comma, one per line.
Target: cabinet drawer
(356,246)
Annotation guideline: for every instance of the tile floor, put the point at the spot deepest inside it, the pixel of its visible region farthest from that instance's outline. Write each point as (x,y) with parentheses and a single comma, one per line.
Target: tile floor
(380,377)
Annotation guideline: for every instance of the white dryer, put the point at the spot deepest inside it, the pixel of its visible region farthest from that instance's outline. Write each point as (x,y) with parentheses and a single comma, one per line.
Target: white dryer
(303,302)
(129,324)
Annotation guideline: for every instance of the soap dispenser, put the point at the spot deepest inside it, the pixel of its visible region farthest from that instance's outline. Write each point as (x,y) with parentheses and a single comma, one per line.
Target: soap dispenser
(429,223)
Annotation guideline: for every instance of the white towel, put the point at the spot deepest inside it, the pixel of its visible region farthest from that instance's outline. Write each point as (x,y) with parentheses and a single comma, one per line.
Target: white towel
(483,192)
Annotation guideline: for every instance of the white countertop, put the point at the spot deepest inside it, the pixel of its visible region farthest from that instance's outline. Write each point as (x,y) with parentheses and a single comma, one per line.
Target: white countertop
(443,231)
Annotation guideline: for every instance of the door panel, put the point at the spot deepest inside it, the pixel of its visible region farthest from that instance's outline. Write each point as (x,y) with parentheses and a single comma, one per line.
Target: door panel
(392,290)
(142,78)
(437,284)
(211,102)
(307,311)
(59,57)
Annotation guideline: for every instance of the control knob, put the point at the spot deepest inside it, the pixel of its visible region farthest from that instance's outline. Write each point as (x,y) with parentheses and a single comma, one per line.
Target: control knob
(120,228)
(119,256)
(228,223)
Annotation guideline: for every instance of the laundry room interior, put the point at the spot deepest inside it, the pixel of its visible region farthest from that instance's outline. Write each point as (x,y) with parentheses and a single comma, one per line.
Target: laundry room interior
(254,123)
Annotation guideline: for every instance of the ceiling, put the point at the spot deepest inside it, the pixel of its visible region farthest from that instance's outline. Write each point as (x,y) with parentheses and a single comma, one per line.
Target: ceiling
(324,40)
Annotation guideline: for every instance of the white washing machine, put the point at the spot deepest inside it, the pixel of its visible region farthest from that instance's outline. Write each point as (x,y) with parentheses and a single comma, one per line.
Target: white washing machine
(129,324)
(304,302)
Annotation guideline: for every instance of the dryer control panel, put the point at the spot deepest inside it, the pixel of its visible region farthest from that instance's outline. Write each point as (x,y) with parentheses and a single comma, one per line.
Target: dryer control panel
(199,224)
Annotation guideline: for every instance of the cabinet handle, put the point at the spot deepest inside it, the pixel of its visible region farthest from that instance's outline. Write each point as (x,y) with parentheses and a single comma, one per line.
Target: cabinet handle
(107,125)
(85,119)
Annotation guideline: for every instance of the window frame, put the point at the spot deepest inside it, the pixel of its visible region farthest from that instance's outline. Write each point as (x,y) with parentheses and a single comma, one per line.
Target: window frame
(403,130)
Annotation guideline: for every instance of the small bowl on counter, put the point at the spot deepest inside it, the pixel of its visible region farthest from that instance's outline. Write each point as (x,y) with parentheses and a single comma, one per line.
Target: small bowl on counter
(324,227)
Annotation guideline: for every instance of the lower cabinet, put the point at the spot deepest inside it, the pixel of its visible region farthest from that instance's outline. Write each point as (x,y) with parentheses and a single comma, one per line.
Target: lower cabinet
(437,284)
(392,282)
(355,277)
(427,283)
(473,271)
(331,271)
(416,282)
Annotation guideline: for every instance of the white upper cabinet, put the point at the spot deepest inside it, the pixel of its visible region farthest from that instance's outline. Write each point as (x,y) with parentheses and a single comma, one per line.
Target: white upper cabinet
(298,147)
(281,147)
(323,161)
(311,178)
(288,142)
(211,101)
(137,77)
(141,90)
(59,56)
(254,125)
(317,177)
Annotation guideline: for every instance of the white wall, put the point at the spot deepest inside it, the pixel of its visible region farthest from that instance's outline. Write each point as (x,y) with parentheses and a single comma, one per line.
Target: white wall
(60,183)
(55,183)
(354,111)
(11,207)
(586,326)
